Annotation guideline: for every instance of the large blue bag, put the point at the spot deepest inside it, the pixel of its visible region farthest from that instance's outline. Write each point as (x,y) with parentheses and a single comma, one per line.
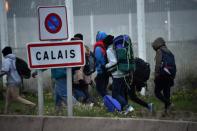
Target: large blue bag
(111,104)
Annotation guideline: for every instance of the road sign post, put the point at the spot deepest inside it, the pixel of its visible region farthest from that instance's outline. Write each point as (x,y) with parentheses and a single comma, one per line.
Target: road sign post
(40,92)
(54,55)
(69,5)
(53,25)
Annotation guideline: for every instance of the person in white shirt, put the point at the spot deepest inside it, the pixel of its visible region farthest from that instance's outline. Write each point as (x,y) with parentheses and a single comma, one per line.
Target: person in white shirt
(119,85)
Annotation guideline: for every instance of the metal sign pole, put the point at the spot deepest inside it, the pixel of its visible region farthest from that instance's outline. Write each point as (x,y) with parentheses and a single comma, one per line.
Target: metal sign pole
(69,6)
(69,92)
(40,94)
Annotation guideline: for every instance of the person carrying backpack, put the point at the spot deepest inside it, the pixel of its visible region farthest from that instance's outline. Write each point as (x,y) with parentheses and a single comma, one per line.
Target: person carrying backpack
(81,82)
(102,77)
(119,85)
(165,71)
(14,80)
(140,77)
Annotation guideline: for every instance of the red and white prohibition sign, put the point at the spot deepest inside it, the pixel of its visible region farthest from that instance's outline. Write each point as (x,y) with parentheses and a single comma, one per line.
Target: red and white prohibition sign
(53,23)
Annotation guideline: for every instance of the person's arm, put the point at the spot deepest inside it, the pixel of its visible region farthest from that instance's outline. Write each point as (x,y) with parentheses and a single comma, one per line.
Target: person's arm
(2,73)
(158,59)
(35,73)
(100,59)
(112,61)
(5,67)
(98,54)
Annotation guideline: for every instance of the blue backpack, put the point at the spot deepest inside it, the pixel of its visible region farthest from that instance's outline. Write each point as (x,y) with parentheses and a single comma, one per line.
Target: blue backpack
(168,66)
(111,104)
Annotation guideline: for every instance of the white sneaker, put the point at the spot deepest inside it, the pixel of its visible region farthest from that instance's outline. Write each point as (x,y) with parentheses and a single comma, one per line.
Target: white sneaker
(129,109)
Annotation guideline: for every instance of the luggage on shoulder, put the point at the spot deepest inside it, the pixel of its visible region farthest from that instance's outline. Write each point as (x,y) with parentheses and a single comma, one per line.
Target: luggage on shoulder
(22,68)
(124,53)
(141,74)
(90,65)
(168,66)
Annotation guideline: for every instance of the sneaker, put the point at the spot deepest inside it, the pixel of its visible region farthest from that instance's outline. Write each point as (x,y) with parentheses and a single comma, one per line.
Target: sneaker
(150,107)
(128,110)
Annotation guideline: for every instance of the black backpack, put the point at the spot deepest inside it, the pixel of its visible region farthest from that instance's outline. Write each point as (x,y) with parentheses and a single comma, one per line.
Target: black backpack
(90,65)
(22,68)
(141,74)
(168,66)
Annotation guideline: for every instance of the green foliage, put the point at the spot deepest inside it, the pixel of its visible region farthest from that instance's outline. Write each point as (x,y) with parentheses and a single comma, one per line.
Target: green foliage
(184,101)
(188,81)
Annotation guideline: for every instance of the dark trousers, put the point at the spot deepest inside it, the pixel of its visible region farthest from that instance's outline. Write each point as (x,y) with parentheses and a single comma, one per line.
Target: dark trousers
(101,83)
(81,93)
(134,97)
(162,89)
(119,91)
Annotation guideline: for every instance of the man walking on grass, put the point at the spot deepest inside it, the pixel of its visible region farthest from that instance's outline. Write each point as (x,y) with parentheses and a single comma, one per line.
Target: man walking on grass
(13,79)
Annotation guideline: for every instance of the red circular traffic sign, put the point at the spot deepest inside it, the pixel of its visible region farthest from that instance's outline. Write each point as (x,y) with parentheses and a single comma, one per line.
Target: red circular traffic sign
(53,23)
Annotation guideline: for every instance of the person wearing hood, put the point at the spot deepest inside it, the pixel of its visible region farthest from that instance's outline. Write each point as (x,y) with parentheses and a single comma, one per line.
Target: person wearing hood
(162,83)
(13,79)
(102,77)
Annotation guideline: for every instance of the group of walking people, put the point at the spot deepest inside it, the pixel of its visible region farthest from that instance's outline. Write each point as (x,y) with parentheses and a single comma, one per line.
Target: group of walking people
(105,57)
(123,83)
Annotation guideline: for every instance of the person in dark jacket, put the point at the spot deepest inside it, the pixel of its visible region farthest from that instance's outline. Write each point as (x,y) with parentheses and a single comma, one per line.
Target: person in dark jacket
(163,83)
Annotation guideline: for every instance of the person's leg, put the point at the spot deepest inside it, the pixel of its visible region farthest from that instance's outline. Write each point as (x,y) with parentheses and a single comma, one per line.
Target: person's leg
(101,84)
(79,95)
(106,81)
(167,92)
(7,101)
(159,87)
(135,98)
(15,95)
(117,91)
(86,93)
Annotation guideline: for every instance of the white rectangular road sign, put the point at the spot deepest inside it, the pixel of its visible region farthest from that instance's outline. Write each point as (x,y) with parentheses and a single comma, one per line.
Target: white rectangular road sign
(53,23)
(55,54)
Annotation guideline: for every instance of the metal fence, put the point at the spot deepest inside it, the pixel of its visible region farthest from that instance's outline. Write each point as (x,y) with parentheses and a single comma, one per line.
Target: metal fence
(174,20)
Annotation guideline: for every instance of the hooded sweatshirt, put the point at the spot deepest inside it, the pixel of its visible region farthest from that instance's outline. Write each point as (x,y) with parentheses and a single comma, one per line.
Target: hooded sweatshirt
(100,52)
(8,66)
(158,45)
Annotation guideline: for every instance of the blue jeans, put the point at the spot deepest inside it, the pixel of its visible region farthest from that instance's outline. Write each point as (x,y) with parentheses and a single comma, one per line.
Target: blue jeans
(60,91)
